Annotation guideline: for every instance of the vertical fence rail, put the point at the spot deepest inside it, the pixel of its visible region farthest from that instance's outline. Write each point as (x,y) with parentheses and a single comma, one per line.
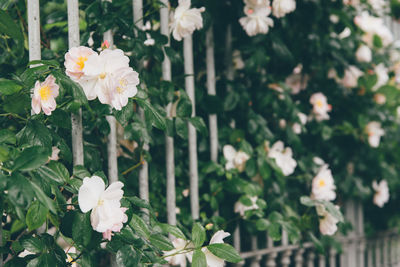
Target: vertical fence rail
(34,29)
(169,140)
(76,118)
(189,83)
(212,118)
(144,170)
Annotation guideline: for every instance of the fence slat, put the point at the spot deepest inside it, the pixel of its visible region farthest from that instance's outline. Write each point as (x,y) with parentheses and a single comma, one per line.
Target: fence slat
(76,118)
(255,262)
(310,258)
(169,141)
(34,30)
(271,258)
(189,83)
(299,258)
(212,118)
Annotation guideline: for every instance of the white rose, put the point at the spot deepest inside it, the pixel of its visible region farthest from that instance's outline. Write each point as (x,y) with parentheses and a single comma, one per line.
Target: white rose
(364,54)
(282,7)
(323,185)
(283,157)
(186,20)
(381,193)
(374,132)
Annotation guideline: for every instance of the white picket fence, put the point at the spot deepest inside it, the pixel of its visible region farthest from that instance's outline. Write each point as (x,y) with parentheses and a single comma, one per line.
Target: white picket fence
(358,251)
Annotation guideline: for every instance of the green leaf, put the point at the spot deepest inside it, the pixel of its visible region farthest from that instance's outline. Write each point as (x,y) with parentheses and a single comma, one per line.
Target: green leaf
(82,229)
(225,252)
(199,259)
(72,87)
(80,172)
(172,229)
(161,242)
(262,224)
(199,124)
(184,105)
(152,114)
(331,208)
(31,158)
(32,244)
(123,116)
(8,137)
(139,226)
(47,173)
(317,243)
(45,200)
(307,201)
(44,260)
(60,170)
(9,87)
(36,215)
(141,203)
(20,192)
(127,256)
(198,234)
(35,134)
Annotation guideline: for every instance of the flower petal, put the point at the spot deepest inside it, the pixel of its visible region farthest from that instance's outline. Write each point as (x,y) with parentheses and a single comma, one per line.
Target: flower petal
(90,192)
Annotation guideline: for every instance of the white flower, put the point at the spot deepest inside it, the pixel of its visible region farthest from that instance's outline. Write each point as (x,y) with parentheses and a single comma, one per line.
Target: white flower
(212,260)
(296,127)
(180,258)
(373,26)
(282,7)
(256,20)
(283,157)
(186,20)
(381,193)
(345,33)
(104,203)
(323,185)
(351,75)
(235,159)
(364,54)
(374,132)
(382,76)
(334,18)
(320,106)
(302,118)
(241,208)
(328,223)
(257,2)
(44,95)
(318,161)
(123,87)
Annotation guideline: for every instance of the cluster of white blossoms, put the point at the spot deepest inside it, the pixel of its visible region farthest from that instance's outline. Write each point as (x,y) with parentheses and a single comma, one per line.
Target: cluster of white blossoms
(283,157)
(107,215)
(44,95)
(320,106)
(242,208)
(106,76)
(381,195)
(185,20)
(235,159)
(371,26)
(184,250)
(323,188)
(257,13)
(374,132)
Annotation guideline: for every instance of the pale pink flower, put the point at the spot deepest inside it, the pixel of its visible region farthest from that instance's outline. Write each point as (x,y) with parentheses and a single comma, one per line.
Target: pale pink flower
(75,60)
(283,157)
(351,75)
(235,159)
(54,153)
(320,106)
(381,193)
(374,132)
(44,95)
(116,227)
(364,54)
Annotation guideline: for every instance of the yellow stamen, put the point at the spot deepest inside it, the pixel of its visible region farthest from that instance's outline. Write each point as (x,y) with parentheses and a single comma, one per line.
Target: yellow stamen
(123,83)
(102,75)
(321,183)
(100,202)
(319,103)
(44,92)
(81,62)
